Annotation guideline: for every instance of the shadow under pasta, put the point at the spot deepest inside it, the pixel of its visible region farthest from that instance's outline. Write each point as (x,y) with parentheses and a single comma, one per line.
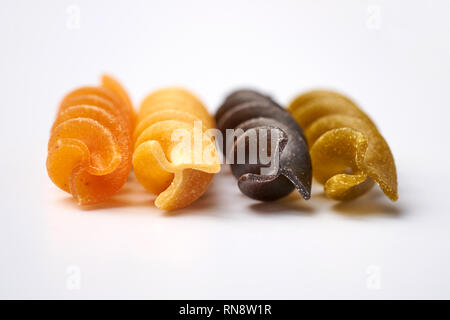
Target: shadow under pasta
(371,204)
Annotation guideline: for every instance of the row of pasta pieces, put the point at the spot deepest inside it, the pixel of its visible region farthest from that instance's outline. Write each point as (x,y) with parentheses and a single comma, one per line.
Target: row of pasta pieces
(173,145)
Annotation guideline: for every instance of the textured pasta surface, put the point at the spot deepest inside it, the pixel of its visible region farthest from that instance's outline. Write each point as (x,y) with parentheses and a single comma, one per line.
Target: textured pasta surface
(347,151)
(175,155)
(90,145)
(257,117)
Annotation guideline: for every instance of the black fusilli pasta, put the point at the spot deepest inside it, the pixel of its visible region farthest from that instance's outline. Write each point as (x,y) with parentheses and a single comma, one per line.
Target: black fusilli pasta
(251,115)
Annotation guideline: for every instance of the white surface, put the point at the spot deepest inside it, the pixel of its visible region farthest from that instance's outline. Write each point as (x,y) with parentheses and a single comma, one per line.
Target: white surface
(395,65)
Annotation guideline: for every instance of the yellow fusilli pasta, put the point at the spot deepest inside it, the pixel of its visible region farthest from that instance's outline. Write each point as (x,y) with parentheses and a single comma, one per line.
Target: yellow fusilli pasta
(174,155)
(347,151)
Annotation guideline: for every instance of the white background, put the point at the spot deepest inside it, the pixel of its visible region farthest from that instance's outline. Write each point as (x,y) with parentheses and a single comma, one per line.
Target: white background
(392,57)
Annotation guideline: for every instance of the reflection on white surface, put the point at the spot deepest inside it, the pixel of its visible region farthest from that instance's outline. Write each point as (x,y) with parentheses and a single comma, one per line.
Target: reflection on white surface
(222,249)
